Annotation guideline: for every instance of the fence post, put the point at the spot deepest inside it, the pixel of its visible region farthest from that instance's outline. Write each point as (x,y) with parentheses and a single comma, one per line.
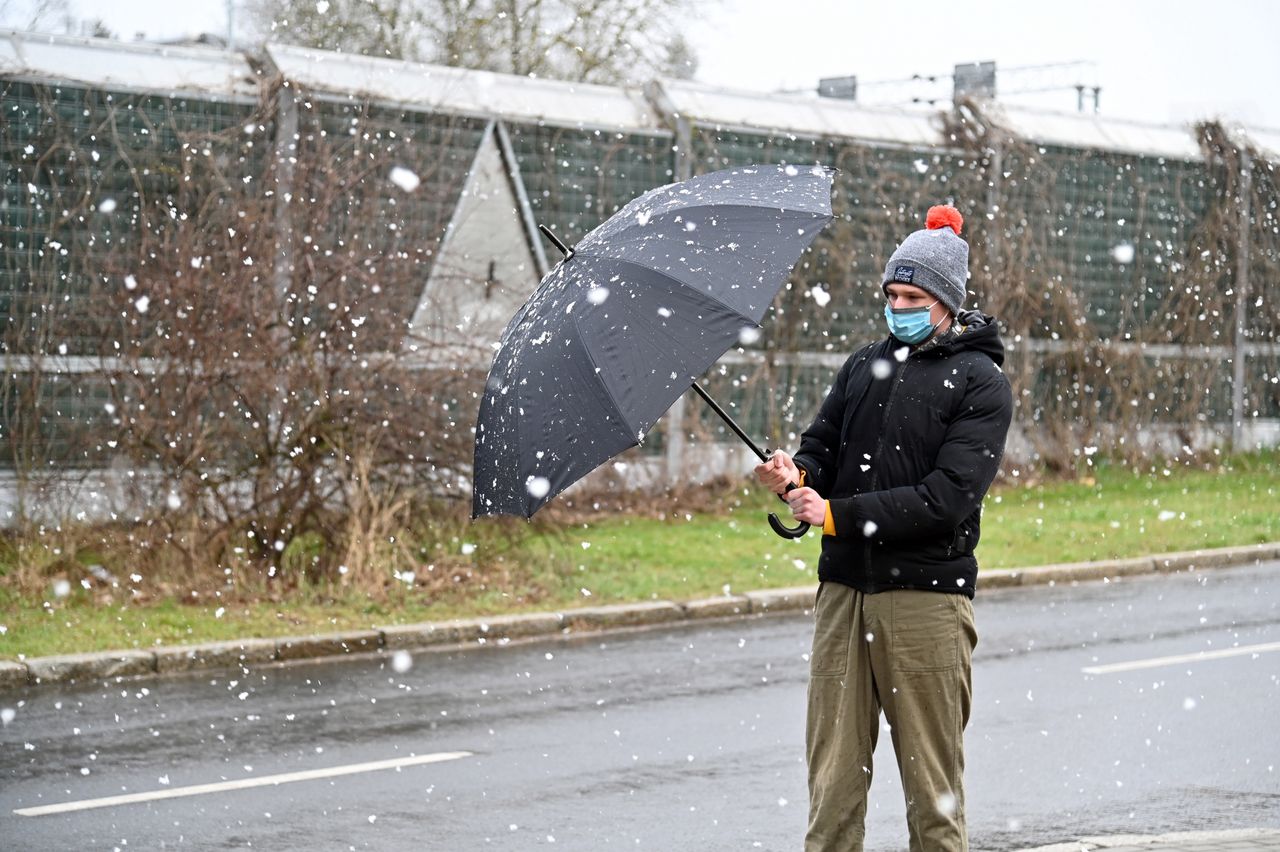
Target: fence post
(1242,296)
(995,210)
(286,161)
(516,177)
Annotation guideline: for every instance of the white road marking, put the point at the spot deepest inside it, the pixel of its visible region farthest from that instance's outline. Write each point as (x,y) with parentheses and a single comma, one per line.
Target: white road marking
(1157,662)
(243,783)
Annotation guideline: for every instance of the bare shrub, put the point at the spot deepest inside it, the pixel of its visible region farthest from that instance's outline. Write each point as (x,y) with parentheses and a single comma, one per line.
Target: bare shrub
(246,312)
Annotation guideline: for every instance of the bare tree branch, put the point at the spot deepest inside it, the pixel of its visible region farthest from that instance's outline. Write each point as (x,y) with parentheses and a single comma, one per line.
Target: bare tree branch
(600,41)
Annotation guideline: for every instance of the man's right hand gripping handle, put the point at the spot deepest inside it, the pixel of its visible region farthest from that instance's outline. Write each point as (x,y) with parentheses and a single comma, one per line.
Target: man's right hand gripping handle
(779,474)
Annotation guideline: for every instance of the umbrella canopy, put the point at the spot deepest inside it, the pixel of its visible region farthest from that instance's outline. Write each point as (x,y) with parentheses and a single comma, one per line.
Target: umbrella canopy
(621,327)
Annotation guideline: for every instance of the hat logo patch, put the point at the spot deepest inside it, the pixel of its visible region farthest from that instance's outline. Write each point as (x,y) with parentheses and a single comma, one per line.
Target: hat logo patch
(905,274)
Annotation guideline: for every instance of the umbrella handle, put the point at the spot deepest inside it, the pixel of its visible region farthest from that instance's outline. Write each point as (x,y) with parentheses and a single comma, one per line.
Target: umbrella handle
(782,529)
(764,455)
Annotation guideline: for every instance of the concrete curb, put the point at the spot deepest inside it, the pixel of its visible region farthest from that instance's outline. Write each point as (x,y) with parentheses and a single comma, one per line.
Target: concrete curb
(114,665)
(214,655)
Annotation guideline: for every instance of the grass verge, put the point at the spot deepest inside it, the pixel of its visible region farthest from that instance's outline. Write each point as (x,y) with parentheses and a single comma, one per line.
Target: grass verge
(1117,513)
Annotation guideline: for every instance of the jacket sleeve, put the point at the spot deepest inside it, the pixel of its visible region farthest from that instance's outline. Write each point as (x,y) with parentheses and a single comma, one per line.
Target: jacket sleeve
(966,465)
(819,444)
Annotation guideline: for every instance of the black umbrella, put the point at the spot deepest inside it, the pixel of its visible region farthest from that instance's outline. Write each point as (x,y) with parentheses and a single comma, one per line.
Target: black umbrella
(622,326)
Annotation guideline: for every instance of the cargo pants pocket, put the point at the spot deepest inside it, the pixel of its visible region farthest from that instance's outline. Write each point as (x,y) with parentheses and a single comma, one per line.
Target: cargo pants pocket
(926,630)
(832,629)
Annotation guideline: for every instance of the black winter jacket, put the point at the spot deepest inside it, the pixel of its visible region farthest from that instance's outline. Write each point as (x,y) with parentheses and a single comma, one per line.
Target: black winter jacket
(905,446)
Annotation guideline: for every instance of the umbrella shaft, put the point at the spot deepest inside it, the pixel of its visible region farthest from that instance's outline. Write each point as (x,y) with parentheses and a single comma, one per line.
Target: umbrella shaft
(715,406)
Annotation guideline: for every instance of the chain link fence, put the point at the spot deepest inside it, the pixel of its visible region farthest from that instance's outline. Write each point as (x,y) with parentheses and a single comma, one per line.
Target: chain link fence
(198,283)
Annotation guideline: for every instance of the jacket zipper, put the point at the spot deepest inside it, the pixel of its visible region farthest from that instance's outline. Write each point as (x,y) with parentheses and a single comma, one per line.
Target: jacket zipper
(884,420)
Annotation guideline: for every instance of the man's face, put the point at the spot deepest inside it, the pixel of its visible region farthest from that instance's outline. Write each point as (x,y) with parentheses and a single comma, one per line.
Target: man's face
(903,296)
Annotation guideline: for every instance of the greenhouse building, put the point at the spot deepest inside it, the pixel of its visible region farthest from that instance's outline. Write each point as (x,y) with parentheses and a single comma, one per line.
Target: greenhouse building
(180,222)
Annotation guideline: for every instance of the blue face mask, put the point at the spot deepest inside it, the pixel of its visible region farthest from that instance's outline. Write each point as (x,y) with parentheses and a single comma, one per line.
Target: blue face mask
(910,325)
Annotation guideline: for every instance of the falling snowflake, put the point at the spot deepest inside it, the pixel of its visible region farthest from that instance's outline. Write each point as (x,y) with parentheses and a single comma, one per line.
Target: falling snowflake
(537,486)
(405,179)
(1123,253)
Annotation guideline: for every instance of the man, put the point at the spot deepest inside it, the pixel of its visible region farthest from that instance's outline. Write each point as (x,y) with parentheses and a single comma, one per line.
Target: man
(894,469)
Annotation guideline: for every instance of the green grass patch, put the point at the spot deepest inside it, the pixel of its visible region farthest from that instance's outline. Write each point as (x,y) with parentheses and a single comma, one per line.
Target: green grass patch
(1118,513)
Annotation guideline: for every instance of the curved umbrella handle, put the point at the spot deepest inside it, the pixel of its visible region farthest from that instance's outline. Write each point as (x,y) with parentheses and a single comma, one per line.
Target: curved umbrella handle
(782,529)
(764,455)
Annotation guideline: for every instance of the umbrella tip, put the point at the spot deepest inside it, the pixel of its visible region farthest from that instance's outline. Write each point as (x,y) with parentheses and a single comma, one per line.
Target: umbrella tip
(556,241)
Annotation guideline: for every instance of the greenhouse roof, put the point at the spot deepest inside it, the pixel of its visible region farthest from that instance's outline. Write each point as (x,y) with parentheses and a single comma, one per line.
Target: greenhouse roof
(130,66)
(807,115)
(219,73)
(440,87)
(1080,130)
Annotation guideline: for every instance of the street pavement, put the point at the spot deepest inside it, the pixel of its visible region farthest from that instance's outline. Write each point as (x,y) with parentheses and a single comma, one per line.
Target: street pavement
(1234,840)
(1105,714)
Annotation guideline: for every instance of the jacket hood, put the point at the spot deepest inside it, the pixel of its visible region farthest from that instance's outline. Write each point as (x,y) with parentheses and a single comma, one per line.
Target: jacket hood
(980,334)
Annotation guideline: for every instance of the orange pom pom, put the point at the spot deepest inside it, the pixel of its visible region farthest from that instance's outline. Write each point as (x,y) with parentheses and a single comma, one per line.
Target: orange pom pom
(944,216)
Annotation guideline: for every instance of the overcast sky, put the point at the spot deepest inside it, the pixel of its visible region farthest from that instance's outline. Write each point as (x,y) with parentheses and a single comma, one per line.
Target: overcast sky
(1155,60)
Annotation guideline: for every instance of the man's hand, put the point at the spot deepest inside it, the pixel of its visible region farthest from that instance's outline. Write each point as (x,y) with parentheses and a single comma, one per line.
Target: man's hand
(808,506)
(778,472)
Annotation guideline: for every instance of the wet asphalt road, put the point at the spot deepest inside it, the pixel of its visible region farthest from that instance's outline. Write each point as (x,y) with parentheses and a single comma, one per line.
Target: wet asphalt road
(680,739)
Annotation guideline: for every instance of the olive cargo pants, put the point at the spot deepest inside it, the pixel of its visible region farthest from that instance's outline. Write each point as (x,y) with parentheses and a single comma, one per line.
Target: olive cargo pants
(907,652)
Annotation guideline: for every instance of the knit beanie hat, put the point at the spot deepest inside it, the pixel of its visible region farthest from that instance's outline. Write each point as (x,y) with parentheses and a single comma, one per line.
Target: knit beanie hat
(935,259)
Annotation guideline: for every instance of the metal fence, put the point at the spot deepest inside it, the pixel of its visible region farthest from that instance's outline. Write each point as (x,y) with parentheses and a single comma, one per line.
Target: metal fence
(1137,285)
